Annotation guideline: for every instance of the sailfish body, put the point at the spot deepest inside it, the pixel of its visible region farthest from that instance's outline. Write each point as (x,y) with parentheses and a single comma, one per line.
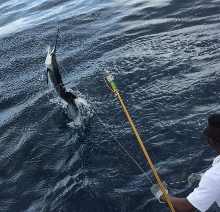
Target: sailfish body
(56,79)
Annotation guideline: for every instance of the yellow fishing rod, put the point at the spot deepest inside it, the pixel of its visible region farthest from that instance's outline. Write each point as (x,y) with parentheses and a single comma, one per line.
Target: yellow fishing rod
(115,90)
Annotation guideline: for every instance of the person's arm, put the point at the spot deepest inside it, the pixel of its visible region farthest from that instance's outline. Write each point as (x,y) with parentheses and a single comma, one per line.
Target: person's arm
(179,204)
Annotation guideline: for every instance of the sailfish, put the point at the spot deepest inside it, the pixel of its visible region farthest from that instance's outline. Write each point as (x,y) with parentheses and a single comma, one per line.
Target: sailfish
(56,79)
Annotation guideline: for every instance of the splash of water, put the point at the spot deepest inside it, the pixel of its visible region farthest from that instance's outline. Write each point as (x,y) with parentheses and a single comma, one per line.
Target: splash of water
(84,113)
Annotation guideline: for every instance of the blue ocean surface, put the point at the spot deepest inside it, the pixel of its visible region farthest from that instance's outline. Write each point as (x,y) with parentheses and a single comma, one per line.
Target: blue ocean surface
(164,56)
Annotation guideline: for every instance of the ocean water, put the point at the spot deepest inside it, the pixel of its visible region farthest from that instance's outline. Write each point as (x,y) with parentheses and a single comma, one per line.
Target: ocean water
(164,56)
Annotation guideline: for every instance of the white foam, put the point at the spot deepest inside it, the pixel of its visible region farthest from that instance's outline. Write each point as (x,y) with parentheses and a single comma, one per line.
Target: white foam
(79,118)
(84,113)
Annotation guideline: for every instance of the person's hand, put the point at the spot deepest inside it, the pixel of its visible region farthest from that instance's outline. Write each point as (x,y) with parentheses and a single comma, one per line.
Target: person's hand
(155,189)
(194,179)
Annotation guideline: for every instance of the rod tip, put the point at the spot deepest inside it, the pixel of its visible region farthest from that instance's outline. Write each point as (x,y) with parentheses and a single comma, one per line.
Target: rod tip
(110,78)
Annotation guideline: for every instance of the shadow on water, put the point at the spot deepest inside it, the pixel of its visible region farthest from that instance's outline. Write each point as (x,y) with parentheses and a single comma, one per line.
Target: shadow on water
(52,164)
(74,175)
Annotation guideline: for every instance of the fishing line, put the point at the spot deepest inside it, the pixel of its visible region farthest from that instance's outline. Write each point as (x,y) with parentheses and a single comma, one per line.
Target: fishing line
(122,147)
(116,138)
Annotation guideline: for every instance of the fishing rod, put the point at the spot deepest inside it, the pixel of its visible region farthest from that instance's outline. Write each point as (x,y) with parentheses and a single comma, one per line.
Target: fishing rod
(110,78)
